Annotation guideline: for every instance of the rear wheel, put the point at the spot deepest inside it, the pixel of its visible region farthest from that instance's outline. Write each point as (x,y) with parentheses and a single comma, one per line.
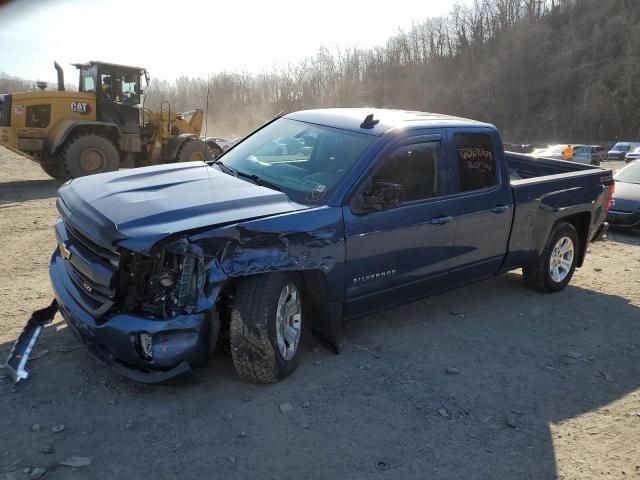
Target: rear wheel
(192,151)
(555,266)
(266,327)
(54,170)
(88,154)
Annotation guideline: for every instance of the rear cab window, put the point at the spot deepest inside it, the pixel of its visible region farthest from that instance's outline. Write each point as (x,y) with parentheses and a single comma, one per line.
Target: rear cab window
(477,167)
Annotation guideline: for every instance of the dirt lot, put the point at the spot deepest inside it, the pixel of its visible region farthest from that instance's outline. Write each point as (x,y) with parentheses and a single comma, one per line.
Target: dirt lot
(546,385)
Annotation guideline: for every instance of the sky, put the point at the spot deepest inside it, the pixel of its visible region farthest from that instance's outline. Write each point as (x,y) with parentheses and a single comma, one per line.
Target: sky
(193,37)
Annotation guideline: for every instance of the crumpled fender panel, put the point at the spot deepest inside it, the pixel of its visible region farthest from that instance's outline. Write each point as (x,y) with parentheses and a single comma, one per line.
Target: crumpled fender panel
(299,241)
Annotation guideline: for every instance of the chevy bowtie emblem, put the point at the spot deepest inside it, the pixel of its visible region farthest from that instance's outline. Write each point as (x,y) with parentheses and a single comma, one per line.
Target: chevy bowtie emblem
(64,251)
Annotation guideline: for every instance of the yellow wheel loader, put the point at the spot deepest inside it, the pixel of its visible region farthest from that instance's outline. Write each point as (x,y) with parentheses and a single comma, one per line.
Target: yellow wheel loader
(99,128)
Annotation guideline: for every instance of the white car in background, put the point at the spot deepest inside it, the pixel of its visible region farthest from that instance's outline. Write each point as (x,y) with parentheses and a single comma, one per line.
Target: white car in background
(634,154)
(586,154)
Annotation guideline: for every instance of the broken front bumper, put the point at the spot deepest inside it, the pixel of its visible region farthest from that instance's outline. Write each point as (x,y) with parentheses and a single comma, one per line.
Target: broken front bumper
(177,343)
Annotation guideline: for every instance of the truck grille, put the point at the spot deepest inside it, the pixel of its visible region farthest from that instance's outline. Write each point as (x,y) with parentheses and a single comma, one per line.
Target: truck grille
(92,270)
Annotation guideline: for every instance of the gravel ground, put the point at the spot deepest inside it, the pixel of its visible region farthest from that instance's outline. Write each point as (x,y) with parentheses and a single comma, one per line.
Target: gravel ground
(489,381)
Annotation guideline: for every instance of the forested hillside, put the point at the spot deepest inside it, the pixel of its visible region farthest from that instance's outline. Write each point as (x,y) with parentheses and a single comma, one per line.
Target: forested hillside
(542,70)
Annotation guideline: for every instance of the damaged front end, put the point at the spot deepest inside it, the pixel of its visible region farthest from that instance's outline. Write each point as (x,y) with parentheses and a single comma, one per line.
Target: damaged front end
(157,323)
(154,313)
(166,283)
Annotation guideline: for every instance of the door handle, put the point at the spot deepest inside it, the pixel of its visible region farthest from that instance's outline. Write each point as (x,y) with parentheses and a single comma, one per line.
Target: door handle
(499,209)
(440,220)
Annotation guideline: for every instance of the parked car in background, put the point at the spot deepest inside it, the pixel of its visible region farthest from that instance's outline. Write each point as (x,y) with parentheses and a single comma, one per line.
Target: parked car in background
(586,154)
(217,145)
(632,155)
(624,211)
(620,149)
(519,147)
(600,151)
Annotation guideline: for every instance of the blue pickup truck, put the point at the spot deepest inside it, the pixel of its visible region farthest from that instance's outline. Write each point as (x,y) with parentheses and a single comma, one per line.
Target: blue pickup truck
(315,217)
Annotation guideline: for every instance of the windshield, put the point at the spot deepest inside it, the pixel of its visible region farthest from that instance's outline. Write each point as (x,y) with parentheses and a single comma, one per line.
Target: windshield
(629,174)
(621,147)
(305,161)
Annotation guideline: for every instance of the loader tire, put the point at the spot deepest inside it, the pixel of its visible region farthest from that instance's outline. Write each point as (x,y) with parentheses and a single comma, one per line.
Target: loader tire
(192,150)
(213,150)
(554,268)
(88,154)
(261,349)
(54,170)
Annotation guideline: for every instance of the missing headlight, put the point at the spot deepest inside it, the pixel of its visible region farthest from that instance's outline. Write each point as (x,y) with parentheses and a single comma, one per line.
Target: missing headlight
(164,284)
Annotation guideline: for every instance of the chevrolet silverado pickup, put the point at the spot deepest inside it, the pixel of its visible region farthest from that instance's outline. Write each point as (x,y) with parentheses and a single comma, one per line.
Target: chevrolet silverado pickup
(317,216)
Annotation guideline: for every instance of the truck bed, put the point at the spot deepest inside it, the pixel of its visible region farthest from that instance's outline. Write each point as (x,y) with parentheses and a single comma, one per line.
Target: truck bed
(545,190)
(522,166)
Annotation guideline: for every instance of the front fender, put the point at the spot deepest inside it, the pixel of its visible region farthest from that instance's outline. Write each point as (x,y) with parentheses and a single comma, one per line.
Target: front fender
(309,242)
(65,128)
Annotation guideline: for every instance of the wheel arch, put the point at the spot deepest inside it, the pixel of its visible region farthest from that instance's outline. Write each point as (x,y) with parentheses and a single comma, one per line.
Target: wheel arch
(68,128)
(324,314)
(580,222)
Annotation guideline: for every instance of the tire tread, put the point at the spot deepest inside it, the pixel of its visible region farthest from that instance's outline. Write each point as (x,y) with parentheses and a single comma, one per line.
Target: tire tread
(64,154)
(252,353)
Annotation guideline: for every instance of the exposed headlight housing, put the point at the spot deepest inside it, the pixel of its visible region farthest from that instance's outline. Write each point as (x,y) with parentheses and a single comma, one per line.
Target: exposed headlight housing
(166,283)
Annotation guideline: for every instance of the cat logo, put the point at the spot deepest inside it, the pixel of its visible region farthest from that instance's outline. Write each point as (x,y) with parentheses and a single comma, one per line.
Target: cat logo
(80,107)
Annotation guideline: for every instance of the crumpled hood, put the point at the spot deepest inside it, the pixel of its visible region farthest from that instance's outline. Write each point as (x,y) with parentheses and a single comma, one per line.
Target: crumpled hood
(138,207)
(627,197)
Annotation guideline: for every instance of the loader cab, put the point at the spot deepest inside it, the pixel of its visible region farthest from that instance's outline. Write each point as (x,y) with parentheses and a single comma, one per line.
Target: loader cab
(117,89)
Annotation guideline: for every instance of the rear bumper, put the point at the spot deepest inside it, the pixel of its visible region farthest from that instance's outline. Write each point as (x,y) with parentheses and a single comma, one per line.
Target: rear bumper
(178,343)
(619,219)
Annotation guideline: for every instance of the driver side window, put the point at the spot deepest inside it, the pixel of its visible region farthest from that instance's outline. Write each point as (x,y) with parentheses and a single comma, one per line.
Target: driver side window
(417,168)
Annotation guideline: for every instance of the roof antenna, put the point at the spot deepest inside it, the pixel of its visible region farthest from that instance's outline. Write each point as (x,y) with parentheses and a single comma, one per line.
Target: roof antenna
(369,122)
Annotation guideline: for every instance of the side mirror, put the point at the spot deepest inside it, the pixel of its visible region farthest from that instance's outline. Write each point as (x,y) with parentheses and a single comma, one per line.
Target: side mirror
(382,195)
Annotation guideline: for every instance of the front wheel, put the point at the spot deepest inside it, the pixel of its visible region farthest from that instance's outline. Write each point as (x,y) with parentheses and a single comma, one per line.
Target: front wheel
(555,266)
(192,150)
(266,327)
(87,154)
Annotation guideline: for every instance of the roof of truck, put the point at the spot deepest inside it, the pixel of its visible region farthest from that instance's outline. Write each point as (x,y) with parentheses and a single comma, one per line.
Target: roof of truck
(352,118)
